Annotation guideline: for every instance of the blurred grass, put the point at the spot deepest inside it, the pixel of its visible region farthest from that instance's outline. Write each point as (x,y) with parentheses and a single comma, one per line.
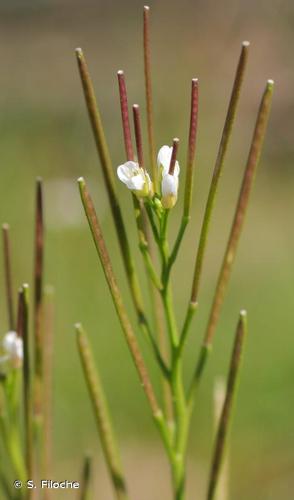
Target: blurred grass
(45,131)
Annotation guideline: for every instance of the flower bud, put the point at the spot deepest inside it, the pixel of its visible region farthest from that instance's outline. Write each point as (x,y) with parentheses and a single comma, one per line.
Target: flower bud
(169,181)
(169,190)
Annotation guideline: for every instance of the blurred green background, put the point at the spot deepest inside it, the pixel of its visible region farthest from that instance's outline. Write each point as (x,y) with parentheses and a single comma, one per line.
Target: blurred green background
(45,132)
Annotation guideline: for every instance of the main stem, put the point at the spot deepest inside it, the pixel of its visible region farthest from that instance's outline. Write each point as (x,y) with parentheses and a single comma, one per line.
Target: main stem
(177,460)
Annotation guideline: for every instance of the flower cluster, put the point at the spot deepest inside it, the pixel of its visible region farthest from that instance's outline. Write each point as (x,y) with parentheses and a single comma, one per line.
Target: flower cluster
(138,180)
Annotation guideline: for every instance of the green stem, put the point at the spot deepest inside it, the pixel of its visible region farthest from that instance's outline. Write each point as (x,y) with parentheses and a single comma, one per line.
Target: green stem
(192,308)
(218,169)
(160,338)
(163,225)
(174,253)
(104,424)
(38,290)
(9,423)
(38,389)
(176,378)
(149,266)
(240,212)
(8,275)
(170,316)
(152,223)
(165,434)
(27,381)
(13,446)
(143,244)
(85,493)
(104,155)
(201,363)
(181,427)
(189,174)
(48,385)
(116,296)
(226,416)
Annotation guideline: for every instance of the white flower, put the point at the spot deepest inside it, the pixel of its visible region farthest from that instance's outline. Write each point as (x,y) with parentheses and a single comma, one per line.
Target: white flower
(135,178)
(13,348)
(169,182)
(164,158)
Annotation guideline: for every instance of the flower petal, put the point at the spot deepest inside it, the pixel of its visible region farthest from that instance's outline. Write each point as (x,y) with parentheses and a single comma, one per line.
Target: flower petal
(177,169)
(9,341)
(164,157)
(18,349)
(149,182)
(127,170)
(169,185)
(13,345)
(137,182)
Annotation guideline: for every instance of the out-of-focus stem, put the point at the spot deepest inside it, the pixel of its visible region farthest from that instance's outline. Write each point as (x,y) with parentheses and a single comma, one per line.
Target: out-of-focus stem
(102,416)
(38,278)
(10,433)
(48,315)
(38,389)
(148,91)
(218,169)
(226,416)
(86,479)
(242,204)
(19,318)
(27,382)
(5,485)
(8,275)
(107,170)
(38,312)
